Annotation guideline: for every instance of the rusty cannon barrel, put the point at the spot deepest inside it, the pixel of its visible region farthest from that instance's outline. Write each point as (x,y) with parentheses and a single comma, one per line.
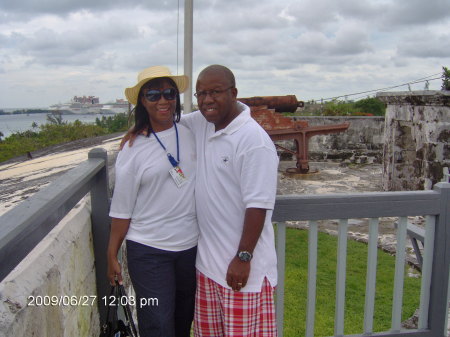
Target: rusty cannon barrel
(288,103)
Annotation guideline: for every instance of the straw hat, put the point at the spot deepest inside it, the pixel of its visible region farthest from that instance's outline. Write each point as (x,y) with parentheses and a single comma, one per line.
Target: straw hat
(150,73)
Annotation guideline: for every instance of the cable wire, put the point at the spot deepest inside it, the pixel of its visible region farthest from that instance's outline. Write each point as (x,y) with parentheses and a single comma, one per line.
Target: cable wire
(420,80)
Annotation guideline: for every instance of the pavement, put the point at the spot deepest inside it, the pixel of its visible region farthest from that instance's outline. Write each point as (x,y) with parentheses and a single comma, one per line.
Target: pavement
(22,177)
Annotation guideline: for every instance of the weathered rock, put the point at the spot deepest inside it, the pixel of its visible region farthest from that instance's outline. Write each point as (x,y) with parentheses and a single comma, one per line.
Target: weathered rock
(416,142)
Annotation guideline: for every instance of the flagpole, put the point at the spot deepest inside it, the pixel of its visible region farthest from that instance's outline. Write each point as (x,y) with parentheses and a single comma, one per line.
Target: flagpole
(188,43)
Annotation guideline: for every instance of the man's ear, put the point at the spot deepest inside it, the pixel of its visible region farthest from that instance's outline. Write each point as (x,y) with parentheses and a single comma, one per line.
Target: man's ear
(234,91)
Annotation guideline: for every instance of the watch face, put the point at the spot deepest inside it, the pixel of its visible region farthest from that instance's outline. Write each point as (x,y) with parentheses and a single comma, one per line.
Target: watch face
(245,256)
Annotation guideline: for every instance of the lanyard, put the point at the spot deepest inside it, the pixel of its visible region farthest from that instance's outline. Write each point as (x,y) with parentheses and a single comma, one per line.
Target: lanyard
(169,156)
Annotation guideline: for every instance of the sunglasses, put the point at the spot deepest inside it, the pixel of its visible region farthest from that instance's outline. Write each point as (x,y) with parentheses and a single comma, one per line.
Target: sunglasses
(155,95)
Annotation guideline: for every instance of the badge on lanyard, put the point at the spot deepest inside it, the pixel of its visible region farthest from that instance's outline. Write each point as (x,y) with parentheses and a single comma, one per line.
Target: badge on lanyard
(176,173)
(178,176)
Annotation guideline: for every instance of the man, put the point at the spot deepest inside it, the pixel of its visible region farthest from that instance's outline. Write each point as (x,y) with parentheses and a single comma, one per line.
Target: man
(235,195)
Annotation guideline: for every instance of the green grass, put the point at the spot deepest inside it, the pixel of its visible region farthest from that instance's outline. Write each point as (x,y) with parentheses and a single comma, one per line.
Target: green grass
(296,286)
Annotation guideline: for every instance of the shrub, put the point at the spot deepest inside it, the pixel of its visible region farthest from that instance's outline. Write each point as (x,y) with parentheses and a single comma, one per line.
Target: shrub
(372,106)
(119,122)
(363,107)
(445,78)
(52,133)
(338,108)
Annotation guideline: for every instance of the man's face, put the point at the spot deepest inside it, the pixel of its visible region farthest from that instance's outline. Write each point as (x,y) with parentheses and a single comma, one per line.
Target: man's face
(216,98)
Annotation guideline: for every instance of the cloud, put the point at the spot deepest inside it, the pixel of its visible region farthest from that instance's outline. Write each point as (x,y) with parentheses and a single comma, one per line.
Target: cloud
(82,39)
(417,12)
(363,10)
(425,45)
(64,7)
(55,49)
(313,14)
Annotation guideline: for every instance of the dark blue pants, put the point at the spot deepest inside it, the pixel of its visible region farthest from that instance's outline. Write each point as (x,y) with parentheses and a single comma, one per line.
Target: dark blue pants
(164,283)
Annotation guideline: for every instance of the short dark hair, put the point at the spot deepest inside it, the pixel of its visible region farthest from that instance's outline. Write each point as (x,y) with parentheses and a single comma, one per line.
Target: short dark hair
(227,73)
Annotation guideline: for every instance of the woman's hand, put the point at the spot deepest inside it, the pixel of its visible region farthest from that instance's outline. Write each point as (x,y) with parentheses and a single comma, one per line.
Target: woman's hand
(114,271)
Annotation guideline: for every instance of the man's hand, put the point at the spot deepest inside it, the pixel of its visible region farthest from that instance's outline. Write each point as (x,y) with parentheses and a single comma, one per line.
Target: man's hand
(239,271)
(237,274)
(130,136)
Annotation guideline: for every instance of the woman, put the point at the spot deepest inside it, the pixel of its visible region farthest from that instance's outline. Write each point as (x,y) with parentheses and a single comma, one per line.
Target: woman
(153,207)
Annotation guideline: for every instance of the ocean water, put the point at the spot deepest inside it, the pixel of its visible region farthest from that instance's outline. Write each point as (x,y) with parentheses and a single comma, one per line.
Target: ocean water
(10,124)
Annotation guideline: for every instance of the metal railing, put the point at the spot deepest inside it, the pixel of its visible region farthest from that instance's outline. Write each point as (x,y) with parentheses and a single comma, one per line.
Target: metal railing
(445,175)
(24,226)
(29,222)
(434,205)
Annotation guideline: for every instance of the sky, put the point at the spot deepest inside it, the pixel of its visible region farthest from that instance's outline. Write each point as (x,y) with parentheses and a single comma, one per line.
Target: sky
(52,50)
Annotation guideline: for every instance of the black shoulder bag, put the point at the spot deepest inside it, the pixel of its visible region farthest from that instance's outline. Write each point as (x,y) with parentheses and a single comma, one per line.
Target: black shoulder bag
(115,327)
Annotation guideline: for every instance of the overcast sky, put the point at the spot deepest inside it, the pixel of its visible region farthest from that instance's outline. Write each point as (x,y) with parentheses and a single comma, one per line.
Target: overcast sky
(51,50)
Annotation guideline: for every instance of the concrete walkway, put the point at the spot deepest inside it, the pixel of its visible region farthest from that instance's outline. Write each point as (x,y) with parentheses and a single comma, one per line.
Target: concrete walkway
(22,178)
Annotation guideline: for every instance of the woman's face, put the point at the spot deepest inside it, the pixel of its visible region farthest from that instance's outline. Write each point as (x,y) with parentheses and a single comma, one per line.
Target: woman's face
(160,100)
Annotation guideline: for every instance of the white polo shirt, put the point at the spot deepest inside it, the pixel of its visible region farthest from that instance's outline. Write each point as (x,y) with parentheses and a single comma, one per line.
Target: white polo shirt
(236,169)
(162,214)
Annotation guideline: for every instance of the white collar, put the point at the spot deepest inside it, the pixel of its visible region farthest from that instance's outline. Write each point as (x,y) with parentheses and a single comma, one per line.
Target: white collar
(243,116)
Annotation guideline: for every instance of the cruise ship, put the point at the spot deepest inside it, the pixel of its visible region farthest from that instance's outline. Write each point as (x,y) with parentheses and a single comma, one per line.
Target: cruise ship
(120,106)
(90,105)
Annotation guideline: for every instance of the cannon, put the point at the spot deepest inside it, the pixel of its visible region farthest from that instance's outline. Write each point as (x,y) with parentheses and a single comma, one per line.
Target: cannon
(288,103)
(280,127)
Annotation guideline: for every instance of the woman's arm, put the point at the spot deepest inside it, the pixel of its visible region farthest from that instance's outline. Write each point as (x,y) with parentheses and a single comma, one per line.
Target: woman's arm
(119,228)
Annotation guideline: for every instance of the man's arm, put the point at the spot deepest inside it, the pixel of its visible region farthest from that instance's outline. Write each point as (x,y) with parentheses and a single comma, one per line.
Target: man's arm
(239,271)
(186,120)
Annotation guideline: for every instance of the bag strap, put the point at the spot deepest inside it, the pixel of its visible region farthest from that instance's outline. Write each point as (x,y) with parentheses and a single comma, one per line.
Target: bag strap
(127,311)
(111,309)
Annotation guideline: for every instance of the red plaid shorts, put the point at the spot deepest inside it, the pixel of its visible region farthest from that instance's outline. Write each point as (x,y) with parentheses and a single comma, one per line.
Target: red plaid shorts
(221,312)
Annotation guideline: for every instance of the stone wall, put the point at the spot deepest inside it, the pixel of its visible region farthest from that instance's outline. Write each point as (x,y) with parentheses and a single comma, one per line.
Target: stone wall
(361,142)
(59,268)
(416,145)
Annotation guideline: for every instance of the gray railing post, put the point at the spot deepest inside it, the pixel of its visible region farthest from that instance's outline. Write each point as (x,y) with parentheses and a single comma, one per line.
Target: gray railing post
(100,199)
(281,264)
(441,263)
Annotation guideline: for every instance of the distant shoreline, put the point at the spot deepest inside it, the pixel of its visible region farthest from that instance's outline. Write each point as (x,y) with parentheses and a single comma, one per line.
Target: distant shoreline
(25,111)
(38,111)
(20,122)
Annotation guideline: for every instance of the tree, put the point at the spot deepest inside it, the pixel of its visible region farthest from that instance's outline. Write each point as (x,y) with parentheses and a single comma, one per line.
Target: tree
(338,108)
(372,106)
(55,118)
(445,78)
(119,122)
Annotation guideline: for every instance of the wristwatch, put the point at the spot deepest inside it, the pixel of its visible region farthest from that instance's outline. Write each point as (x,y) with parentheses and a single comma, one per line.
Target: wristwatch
(244,256)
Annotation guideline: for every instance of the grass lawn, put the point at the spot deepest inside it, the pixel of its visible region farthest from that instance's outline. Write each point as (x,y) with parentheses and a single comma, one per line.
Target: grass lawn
(296,286)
